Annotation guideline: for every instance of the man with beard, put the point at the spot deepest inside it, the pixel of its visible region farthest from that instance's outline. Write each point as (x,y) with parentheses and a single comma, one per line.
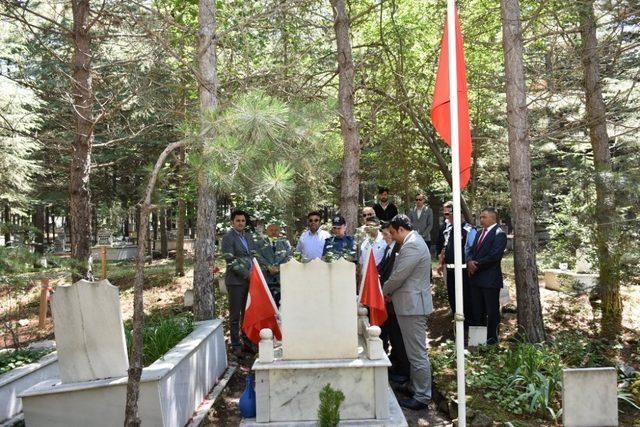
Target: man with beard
(385,210)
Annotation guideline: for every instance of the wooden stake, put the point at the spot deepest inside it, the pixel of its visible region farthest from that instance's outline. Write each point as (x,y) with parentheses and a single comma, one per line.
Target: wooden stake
(103,256)
(44,298)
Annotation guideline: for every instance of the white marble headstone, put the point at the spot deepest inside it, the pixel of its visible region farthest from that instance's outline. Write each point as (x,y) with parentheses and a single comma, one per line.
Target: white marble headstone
(477,335)
(89,332)
(589,397)
(319,310)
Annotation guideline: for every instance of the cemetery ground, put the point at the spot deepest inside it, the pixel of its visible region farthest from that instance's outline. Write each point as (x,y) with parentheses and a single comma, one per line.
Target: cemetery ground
(513,382)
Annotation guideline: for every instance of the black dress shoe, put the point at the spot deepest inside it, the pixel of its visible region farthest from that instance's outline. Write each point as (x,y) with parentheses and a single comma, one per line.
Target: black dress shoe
(413,404)
(404,390)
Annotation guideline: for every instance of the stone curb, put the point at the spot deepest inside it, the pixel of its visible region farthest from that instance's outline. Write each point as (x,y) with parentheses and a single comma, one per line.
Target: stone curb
(204,408)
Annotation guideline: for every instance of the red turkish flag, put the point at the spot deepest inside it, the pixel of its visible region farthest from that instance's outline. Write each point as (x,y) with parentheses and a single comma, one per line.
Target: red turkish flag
(371,293)
(440,109)
(261,311)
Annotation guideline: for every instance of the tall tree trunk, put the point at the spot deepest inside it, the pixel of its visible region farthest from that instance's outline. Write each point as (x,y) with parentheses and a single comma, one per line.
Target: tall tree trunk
(203,298)
(526,271)
(154,227)
(180,220)
(47,226)
(94,226)
(79,195)
(125,223)
(53,225)
(131,418)
(137,220)
(7,225)
(350,180)
(609,287)
(164,247)
(39,220)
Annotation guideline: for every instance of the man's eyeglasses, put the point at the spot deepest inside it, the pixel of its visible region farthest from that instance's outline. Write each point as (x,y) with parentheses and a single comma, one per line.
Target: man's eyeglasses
(314,220)
(368,215)
(419,199)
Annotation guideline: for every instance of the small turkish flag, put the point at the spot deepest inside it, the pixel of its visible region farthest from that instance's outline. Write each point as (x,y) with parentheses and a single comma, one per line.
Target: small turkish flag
(440,109)
(371,292)
(261,311)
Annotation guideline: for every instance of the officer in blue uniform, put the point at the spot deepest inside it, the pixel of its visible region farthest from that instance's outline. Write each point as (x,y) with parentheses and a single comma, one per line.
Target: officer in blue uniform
(339,245)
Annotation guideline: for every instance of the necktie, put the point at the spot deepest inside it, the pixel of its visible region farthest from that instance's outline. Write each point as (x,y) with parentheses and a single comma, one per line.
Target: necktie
(386,252)
(484,232)
(243,240)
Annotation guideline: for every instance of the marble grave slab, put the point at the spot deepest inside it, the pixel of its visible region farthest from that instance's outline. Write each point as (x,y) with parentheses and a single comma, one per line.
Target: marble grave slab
(89,332)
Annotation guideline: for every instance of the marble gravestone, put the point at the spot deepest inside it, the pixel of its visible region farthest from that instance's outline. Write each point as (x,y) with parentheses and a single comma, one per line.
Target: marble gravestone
(322,343)
(589,397)
(319,310)
(89,332)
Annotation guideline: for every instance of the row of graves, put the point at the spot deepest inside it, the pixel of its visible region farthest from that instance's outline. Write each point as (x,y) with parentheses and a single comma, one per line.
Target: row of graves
(326,339)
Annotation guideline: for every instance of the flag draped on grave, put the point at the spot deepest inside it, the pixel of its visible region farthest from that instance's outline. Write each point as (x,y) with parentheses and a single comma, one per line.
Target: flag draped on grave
(371,293)
(440,114)
(260,311)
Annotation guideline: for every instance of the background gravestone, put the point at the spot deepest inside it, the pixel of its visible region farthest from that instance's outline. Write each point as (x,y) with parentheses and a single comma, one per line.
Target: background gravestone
(89,332)
(589,397)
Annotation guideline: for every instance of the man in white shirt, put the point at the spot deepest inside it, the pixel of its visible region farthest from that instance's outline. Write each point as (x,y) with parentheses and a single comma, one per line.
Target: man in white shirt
(311,242)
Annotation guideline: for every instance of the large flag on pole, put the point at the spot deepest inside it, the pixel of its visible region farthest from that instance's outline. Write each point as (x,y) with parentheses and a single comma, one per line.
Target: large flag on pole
(260,311)
(450,115)
(440,115)
(371,293)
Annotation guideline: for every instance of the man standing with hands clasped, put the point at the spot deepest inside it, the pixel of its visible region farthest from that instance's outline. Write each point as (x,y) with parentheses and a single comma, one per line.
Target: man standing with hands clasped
(238,249)
(485,273)
(408,287)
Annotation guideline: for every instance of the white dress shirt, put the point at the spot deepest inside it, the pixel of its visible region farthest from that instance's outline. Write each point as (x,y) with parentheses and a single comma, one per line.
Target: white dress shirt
(311,245)
(378,245)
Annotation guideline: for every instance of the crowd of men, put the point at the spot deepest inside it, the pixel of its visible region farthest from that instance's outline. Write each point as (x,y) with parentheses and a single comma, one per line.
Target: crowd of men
(401,245)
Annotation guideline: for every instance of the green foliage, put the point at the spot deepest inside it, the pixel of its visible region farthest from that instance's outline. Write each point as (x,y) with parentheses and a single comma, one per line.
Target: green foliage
(18,165)
(520,377)
(160,334)
(17,358)
(579,350)
(17,261)
(329,409)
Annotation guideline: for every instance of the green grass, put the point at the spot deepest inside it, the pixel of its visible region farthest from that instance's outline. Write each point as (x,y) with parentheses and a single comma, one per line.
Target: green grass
(160,334)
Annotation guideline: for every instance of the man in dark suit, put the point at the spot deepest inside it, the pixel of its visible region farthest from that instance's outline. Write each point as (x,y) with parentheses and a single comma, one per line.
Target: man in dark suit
(238,249)
(485,273)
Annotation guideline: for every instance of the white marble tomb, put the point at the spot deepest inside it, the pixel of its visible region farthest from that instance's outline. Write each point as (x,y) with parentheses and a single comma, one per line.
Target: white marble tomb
(324,341)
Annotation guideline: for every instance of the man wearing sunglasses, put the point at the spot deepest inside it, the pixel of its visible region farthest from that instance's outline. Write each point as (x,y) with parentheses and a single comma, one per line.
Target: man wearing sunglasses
(421,217)
(311,242)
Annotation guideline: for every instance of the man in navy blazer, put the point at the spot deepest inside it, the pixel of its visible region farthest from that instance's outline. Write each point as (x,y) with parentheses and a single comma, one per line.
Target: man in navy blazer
(238,249)
(485,273)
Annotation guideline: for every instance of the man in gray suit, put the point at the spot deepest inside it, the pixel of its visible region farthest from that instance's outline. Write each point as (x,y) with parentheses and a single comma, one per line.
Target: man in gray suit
(238,250)
(421,217)
(409,289)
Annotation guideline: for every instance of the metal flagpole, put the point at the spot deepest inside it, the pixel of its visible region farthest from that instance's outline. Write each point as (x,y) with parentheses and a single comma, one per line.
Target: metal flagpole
(457,228)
